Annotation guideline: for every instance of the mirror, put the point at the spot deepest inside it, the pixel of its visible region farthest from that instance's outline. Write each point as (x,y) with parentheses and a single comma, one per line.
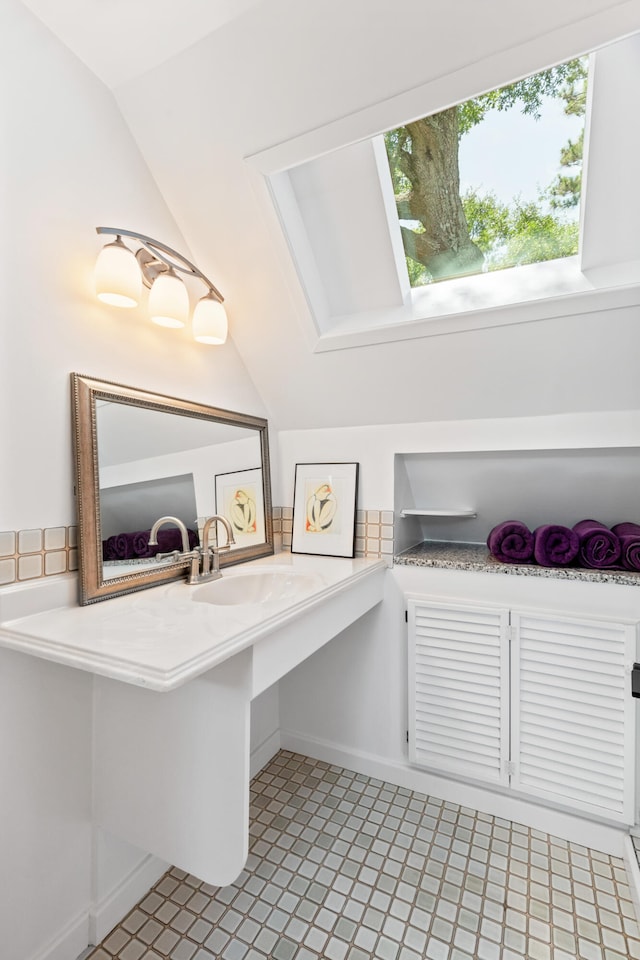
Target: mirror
(140,456)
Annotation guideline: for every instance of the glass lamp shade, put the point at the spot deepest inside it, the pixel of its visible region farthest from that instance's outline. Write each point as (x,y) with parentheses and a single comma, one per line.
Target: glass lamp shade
(210,321)
(168,301)
(117,276)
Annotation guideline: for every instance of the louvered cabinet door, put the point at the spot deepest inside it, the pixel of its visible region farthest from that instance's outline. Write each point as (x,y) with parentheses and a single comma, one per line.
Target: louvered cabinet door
(458,689)
(573,725)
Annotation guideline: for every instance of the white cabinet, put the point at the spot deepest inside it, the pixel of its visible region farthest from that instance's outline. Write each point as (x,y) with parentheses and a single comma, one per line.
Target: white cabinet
(536,702)
(458,689)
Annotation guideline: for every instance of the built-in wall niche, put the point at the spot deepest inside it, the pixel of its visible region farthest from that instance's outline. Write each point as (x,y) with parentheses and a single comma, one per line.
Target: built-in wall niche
(460,496)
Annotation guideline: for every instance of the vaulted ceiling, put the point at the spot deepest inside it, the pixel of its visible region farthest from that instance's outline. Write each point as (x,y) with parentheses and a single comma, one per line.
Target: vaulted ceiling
(122,39)
(205,84)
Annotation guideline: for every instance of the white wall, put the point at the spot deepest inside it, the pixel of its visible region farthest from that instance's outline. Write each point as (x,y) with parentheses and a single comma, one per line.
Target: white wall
(45,807)
(68,164)
(374,446)
(203,462)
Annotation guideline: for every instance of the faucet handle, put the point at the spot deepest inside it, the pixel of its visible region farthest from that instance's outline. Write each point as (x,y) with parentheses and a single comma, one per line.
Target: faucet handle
(172,555)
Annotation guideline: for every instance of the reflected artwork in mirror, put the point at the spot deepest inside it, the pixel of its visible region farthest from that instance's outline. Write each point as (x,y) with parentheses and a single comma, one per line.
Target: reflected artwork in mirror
(140,456)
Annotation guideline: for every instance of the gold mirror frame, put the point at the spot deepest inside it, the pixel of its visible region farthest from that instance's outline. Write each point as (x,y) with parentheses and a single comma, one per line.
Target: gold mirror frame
(85,392)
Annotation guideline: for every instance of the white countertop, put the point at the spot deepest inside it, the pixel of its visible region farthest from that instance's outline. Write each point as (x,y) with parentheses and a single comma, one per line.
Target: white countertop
(160,638)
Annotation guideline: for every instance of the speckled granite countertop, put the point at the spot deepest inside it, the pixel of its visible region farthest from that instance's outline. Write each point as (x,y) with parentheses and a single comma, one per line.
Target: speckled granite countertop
(475,556)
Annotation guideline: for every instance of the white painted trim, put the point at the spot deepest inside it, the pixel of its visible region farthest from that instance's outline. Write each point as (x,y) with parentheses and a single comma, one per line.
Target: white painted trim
(264,752)
(633,873)
(545,50)
(391,213)
(295,235)
(106,913)
(69,942)
(403,323)
(605,837)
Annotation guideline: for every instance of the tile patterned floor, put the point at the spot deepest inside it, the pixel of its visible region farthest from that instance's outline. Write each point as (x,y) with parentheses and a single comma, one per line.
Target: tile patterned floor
(344,867)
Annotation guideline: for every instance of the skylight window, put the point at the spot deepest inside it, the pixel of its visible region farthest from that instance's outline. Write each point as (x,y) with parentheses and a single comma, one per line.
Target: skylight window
(528,233)
(493,182)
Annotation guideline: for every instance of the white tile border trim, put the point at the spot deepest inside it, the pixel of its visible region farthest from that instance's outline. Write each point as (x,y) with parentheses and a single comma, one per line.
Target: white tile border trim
(633,873)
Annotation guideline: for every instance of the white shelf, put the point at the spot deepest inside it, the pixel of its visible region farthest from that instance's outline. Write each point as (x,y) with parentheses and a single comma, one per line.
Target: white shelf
(438,513)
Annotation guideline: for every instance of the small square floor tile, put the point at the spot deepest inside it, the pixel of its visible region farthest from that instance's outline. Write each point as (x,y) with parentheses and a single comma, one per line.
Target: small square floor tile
(342,867)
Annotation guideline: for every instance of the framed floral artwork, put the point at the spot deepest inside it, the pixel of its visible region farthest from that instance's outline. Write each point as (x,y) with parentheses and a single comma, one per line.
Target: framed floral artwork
(239,498)
(324,509)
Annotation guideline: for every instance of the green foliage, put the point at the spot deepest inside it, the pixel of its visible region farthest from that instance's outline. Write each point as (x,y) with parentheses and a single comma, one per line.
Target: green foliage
(488,220)
(515,233)
(418,273)
(538,237)
(519,233)
(566,81)
(564,192)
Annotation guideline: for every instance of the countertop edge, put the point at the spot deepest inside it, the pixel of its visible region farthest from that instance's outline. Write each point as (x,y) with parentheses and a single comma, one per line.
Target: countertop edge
(164,681)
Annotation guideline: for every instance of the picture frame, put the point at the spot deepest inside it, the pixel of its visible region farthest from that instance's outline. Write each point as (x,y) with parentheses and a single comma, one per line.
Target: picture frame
(324,509)
(240,498)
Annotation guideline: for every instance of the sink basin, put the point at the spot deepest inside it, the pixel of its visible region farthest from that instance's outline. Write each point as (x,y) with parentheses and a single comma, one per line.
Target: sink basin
(250,588)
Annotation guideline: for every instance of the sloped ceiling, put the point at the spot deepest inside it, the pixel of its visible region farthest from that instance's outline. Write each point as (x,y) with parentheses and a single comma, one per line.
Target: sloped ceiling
(121,39)
(284,68)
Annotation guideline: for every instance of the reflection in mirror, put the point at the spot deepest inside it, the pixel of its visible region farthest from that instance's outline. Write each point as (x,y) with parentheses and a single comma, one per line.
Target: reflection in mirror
(141,456)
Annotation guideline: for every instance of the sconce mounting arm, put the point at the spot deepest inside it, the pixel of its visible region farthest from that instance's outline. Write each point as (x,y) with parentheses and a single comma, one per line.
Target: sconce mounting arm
(155,258)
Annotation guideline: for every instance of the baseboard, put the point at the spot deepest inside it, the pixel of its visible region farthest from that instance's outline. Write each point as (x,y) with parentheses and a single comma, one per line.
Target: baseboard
(110,910)
(70,942)
(107,913)
(264,752)
(572,827)
(633,874)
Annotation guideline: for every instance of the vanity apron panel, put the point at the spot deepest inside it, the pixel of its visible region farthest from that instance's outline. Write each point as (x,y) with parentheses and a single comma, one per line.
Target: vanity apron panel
(171,773)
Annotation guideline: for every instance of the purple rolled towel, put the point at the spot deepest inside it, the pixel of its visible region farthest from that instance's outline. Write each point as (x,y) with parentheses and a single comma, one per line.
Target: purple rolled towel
(555,545)
(140,541)
(629,536)
(512,542)
(169,538)
(599,547)
(109,549)
(123,543)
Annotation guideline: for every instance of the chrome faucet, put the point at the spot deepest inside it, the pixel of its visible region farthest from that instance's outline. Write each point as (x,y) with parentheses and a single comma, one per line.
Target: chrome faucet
(194,556)
(211,570)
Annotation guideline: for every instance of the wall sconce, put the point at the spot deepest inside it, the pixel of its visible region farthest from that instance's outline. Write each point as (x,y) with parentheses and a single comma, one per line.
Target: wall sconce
(120,274)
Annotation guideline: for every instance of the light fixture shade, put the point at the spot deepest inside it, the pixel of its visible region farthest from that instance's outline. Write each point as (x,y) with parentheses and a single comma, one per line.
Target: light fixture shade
(168,301)
(210,321)
(117,276)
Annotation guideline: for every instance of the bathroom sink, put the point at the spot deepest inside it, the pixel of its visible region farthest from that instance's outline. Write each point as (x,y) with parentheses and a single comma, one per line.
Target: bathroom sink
(267,586)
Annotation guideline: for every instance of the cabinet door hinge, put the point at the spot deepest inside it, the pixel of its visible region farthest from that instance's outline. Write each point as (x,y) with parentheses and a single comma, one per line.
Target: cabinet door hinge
(508,633)
(510,768)
(407,736)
